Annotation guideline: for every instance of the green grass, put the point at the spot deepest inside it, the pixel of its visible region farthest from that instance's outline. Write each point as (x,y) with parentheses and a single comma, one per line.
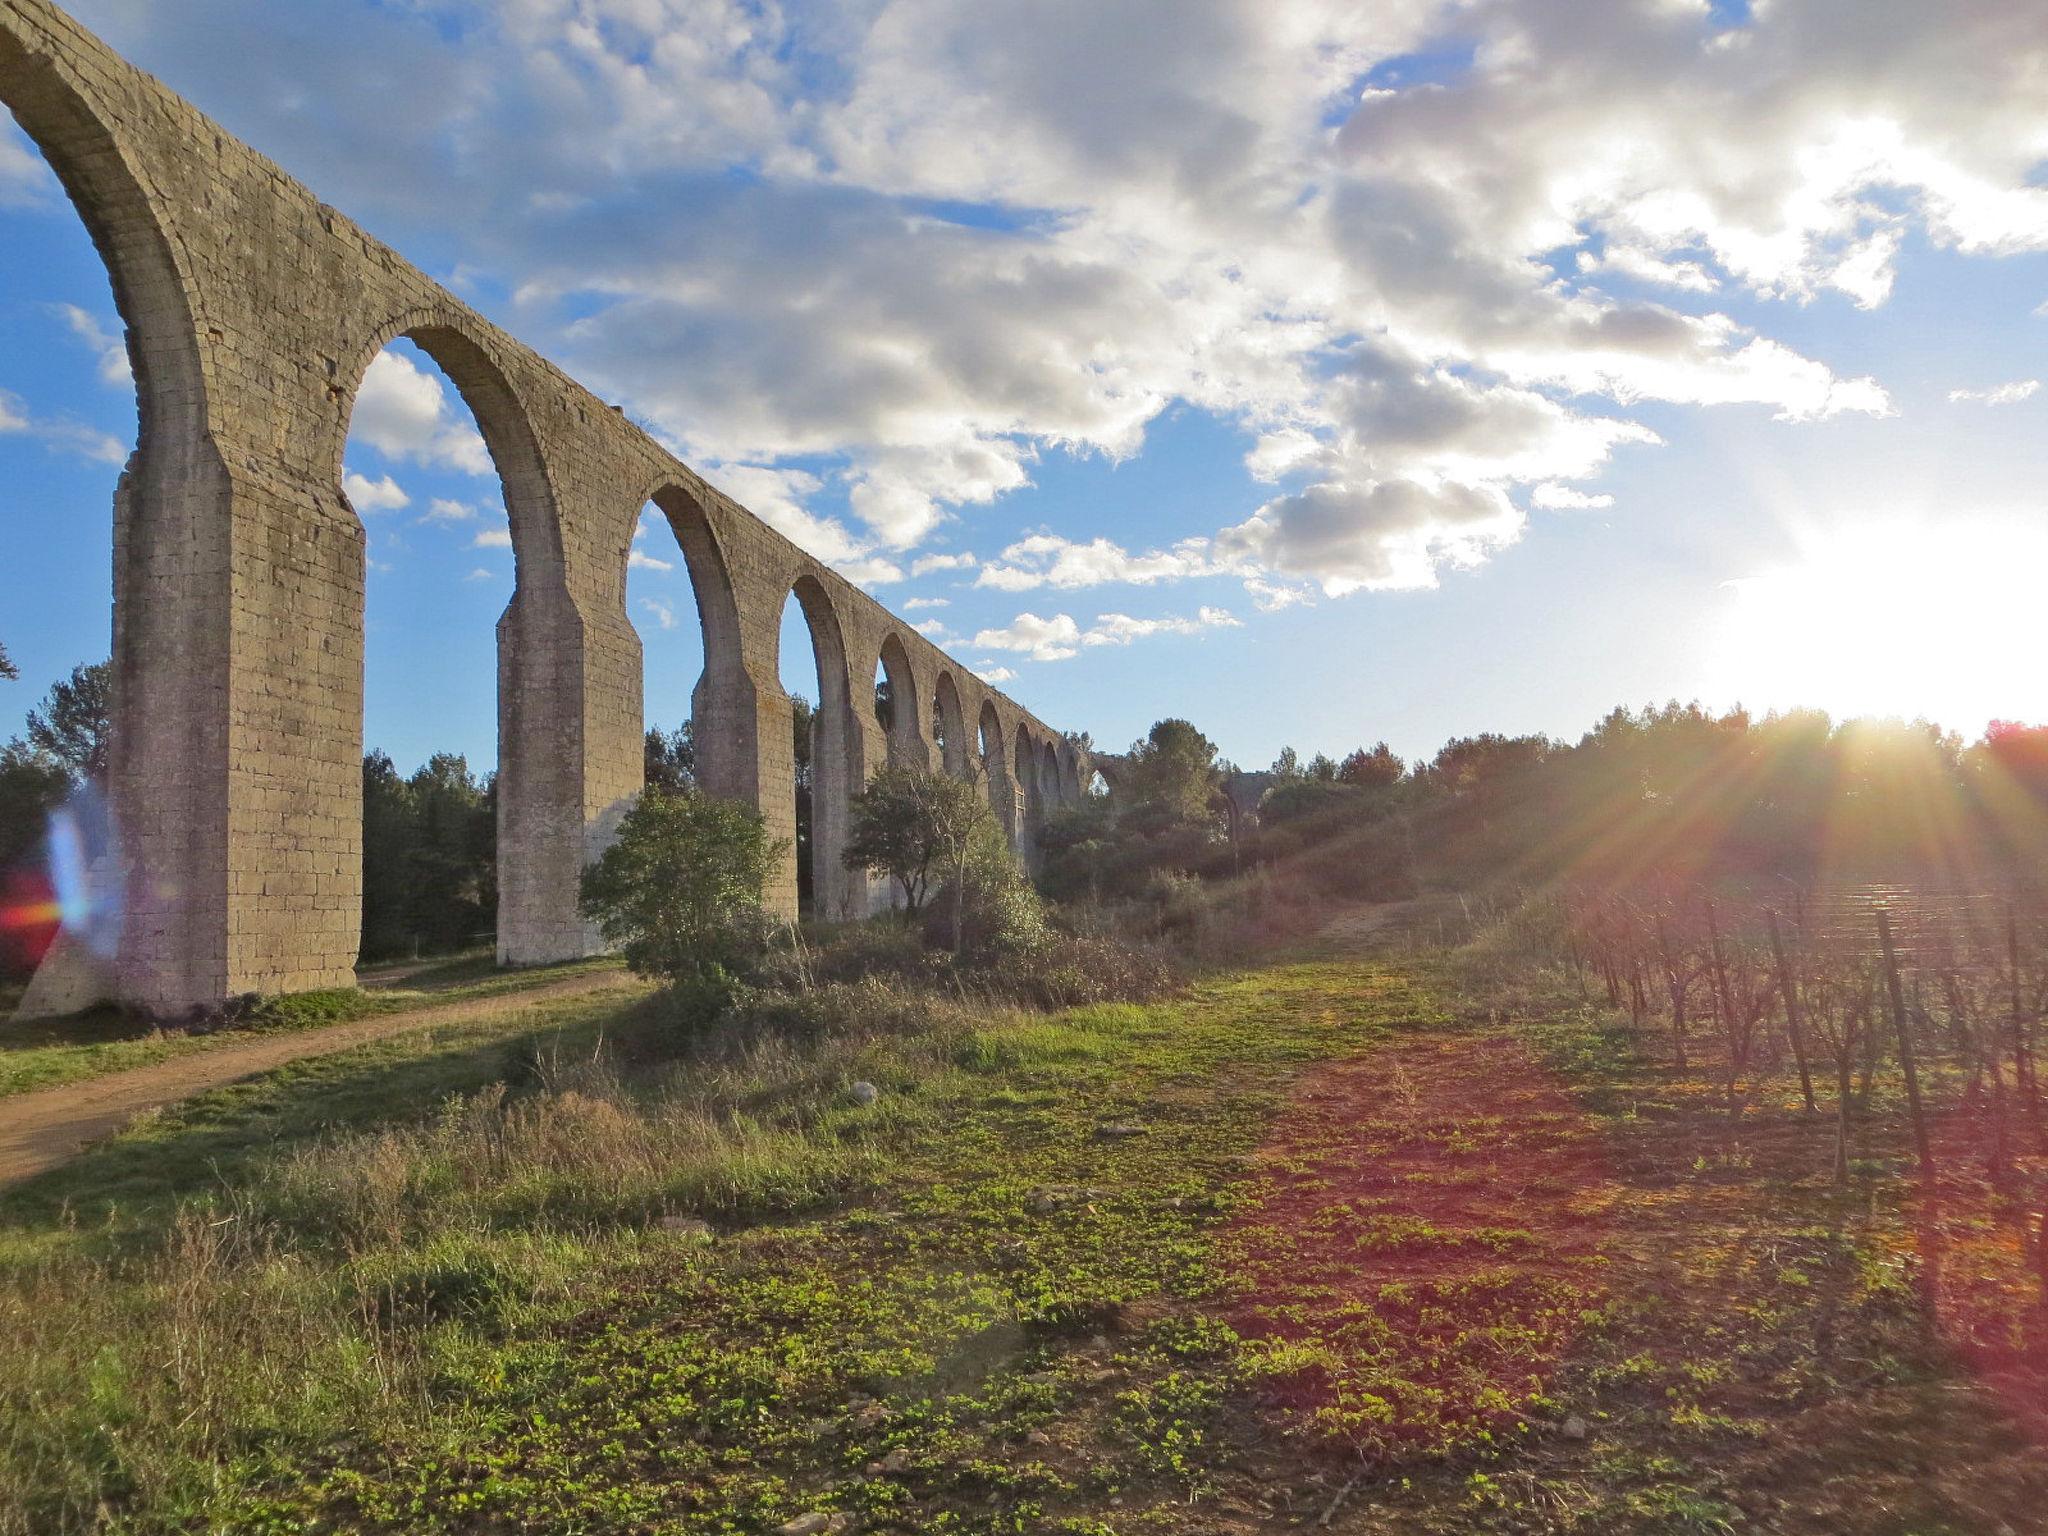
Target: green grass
(442,1285)
(46,1053)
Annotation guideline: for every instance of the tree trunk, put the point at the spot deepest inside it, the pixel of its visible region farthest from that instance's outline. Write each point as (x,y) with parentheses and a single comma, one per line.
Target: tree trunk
(1898,1001)
(1789,985)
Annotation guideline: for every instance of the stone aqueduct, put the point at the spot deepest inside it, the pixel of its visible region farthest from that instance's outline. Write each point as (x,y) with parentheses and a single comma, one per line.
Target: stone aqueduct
(252,314)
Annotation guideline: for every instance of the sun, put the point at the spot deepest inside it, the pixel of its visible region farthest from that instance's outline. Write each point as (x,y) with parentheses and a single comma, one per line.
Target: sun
(1942,619)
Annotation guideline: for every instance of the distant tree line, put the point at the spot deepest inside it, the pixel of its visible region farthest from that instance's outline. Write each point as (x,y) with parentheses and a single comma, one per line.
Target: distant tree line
(1675,788)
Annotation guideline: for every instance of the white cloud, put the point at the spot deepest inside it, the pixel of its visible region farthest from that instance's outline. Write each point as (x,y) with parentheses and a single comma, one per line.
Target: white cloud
(1122,629)
(915,604)
(933,630)
(989,672)
(1060,637)
(111,349)
(664,614)
(60,435)
(1048,560)
(383,494)
(873,571)
(24,179)
(1552,497)
(1533,244)
(492,538)
(640,560)
(443,510)
(1053,639)
(1271,597)
(776,496)
(2001,394)
(1384,536)
(403,412)
(926,565)
(480,573)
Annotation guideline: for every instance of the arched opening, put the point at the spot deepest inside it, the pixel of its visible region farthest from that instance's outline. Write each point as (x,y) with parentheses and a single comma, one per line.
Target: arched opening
(439,468)
(995,770)
(1029,797)
(812,662)
(1049,778)
(102,413)
(896,706)
(698,711)
(949,729)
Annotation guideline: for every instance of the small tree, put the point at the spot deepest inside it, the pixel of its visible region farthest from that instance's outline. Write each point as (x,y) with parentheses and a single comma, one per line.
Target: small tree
(75,719)
(915,828)
(679,890)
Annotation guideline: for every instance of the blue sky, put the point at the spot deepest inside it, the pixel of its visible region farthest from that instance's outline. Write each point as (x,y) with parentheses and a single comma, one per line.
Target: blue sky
(1320,379)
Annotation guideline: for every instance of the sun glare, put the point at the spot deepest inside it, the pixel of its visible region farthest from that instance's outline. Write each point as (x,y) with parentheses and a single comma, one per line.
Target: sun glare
(1934,619)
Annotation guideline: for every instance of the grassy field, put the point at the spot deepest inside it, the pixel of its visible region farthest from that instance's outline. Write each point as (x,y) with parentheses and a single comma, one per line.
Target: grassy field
(1407,1243)
(45,1053)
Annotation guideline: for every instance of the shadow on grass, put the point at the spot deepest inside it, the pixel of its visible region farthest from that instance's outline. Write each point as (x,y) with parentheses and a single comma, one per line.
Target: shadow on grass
(125,1189)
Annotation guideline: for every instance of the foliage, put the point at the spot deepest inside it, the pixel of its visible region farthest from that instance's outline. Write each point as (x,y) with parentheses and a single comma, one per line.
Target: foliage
(8,671)
(1331,1233)
(1171,773)
(429,857)
(671,759)
(31,787)
(986,907)
(1377,769)
(917,828)
(73,724)
(679,889)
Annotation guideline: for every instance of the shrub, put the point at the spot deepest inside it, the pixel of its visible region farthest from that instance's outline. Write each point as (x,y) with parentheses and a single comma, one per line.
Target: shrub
(916,828)
(988,908)
(679,890)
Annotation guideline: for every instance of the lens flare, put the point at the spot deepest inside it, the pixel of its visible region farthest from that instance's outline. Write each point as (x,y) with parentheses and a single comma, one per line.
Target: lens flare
(73,885)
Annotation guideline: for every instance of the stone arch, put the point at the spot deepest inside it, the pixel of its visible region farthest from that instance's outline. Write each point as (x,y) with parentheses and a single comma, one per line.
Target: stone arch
(1070,773)
(838,893)
(725,705)
(957,759)
(172,575)
(1029,797)
(906,729)
(704,558)
(119,212)
(501,417)
(1050,790)
(995,768)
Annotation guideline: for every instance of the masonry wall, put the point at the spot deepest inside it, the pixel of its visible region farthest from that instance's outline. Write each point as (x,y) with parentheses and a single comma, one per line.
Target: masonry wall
(253,312)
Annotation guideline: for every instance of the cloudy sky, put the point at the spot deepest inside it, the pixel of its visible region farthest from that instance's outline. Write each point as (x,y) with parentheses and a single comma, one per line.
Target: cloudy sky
(1322,372)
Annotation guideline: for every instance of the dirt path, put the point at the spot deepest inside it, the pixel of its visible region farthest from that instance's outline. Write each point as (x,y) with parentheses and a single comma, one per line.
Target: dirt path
(40,1130)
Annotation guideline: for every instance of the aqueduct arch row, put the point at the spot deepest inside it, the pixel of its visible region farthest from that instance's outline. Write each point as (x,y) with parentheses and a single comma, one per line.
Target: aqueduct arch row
(253,312)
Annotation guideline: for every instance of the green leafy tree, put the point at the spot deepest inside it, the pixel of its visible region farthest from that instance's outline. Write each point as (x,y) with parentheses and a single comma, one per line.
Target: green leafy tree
(31,786)
(430,878)
(1377,769)
(7,668)
(75,720)
(1173,773)
(671,759)
(679,889)
(388,826)
(985,907)
(914,827)
(452,867)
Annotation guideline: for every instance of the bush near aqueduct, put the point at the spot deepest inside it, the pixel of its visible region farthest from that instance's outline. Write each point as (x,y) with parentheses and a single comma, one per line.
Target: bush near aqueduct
(679,889)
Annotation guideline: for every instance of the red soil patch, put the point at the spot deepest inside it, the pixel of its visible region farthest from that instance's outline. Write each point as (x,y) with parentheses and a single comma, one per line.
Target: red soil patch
(1426,1245)
(1980,1259)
